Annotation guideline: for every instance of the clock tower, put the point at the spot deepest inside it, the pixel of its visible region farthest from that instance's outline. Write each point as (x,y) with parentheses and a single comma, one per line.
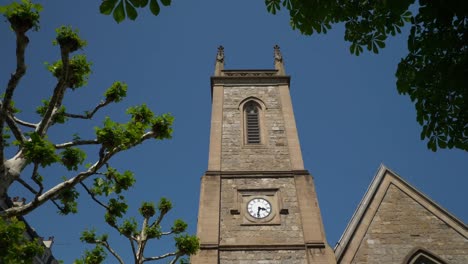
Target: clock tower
(257,202)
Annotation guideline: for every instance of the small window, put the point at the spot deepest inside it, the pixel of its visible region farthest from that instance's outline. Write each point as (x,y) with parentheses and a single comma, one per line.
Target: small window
(424,260)
(252,123)
(421,256)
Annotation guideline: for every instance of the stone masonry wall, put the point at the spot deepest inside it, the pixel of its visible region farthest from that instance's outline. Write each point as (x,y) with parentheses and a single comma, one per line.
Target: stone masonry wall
(400,225)
(274,154)
(263,257)
(232,232)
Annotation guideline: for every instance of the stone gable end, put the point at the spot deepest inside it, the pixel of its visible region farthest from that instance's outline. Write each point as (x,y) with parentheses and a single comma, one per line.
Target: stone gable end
(400,225)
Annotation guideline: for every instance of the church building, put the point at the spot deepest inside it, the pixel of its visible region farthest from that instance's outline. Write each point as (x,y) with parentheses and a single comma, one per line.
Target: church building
(258,203)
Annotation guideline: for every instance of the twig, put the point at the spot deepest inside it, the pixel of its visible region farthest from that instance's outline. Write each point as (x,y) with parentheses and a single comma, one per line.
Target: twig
(77,143)
(162,257)
(93,196)
(26,185)
(89,115)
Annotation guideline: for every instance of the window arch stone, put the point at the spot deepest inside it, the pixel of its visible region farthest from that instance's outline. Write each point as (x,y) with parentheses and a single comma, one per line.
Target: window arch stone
(253,129)
(422,256)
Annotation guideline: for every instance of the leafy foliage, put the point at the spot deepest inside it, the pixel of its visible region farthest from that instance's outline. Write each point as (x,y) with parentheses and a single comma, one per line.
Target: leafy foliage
(67,37)
(72,157)
(15,247)
(40,151)
(79,70)
(179,226)
(59,115)
(187,245)
(115,135)
(147,209)
(22,16)
(116,92)
(120,9)
(95,256)
(150,229)
(67,197)
(36,151)
(433,73)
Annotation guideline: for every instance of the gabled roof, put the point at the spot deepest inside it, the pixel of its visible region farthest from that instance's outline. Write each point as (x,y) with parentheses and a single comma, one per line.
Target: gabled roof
(349,242)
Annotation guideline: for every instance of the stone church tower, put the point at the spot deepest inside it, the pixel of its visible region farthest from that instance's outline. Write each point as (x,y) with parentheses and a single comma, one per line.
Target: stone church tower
(257,202)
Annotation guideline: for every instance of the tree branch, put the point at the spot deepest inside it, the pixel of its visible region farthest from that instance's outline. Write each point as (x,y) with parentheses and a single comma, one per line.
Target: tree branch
(24,123)
(132,244)
(112,251)
(142,240)
(58,94)
(54,191)
(21,44)
(93,196)
(89,115)
(162,257)
(77,143)
(173,261)
(26,185)
(10,119)
(37,180)
(14,128)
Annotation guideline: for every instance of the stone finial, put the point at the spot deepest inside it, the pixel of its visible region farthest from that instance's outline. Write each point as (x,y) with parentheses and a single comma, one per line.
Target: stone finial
(219,66)
(279,65)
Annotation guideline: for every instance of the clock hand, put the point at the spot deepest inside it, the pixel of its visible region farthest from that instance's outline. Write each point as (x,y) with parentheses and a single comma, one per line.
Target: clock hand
(260,209)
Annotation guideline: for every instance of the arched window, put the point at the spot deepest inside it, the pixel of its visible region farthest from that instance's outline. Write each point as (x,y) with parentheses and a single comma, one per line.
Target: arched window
(252,122)
(421,256)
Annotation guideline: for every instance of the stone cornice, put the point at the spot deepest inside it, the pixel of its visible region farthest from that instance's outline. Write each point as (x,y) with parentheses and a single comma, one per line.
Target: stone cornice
(257,174)
(263,247)
(244,77)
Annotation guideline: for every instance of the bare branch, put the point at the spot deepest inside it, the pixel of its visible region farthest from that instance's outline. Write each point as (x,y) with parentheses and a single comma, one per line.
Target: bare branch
(132,244)
(142,239)
(77,143)
(58,206)
(54,191)
(24,123)
(112,251)
(31,189)
(26,185)
(57,96)
(35,178)
(89,115)
(162,257)
(21,43)
(158,220)
(14,128)
(93,196)
(174,260)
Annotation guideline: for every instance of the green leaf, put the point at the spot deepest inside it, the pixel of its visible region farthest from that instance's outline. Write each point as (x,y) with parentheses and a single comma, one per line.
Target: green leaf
(154,7)
(166,2)
(119,13)
(136,3)
(352,48)
(131,11)
(107,6)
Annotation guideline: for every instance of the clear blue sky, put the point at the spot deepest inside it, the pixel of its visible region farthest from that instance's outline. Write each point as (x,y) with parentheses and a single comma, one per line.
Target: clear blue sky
(349,115)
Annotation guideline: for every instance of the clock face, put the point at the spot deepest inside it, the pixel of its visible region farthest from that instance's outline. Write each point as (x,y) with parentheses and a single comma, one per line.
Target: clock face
(259,208)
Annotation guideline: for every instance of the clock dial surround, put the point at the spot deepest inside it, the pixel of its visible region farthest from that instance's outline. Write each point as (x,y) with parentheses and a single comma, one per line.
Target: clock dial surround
(259,208)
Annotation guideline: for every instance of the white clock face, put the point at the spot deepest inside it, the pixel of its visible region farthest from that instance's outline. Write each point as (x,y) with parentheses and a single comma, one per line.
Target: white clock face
(259,208)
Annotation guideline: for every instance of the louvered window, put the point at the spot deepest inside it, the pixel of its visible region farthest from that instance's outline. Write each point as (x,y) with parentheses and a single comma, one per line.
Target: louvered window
(252,123)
